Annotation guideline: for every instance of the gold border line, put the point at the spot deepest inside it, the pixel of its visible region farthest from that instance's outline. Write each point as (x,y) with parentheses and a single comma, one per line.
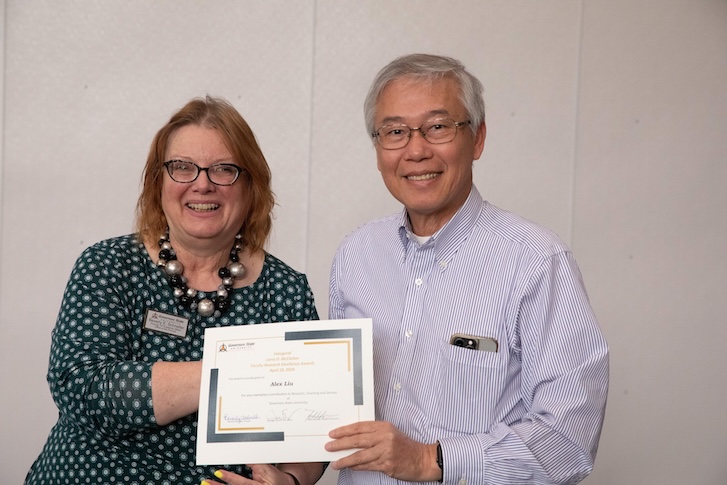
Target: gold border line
(347,342)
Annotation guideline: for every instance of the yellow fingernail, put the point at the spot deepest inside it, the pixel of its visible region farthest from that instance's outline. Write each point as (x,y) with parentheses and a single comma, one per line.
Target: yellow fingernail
(204,482)
(218,474)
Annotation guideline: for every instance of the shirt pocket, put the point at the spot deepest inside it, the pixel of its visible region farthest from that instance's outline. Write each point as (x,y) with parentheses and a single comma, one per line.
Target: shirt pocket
(469,386)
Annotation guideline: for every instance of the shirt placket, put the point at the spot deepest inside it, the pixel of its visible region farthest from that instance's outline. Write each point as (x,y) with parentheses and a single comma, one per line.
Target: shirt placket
(419,263)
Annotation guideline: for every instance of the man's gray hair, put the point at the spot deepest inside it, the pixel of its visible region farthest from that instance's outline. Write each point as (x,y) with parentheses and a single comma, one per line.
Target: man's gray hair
(428,67)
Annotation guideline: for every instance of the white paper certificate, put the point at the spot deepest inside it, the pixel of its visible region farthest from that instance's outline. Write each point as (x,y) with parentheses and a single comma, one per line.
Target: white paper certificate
(271,393)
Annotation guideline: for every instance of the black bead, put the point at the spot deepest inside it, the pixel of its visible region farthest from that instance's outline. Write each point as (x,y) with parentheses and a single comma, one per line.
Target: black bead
(166,255)
(186,301)
(234,257)
(222,304)
(224,272)
(177,281)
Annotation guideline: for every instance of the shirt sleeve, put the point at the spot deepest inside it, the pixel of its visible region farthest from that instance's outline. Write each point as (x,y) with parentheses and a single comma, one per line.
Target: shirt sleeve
(92,374)
(564,383)
(335,302)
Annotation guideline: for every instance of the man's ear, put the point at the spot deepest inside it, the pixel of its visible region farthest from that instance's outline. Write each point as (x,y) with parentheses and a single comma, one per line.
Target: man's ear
(480,135)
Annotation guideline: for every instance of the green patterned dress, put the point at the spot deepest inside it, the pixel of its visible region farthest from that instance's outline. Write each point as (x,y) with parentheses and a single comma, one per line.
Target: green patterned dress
(101,358)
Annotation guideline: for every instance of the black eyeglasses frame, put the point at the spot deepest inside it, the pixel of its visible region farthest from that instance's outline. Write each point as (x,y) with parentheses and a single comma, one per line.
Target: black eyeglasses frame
(168,164)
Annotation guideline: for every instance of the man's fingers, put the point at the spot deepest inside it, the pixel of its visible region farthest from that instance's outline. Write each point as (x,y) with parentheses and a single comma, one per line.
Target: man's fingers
(361,459)
(362,427)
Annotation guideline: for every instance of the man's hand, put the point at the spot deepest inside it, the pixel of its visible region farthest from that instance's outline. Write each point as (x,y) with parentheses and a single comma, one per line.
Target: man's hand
(385,449)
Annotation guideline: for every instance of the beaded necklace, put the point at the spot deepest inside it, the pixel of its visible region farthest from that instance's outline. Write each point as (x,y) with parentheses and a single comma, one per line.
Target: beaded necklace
(188,297)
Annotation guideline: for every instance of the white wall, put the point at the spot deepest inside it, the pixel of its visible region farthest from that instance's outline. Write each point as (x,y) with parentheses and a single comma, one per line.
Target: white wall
(606,122)
(651,233)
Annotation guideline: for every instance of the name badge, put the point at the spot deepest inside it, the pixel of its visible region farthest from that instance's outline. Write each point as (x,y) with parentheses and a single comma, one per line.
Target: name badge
(165,323)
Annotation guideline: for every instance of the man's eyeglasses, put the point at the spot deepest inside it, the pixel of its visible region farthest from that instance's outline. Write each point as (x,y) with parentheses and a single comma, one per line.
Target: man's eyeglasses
(187,172)
(438,131)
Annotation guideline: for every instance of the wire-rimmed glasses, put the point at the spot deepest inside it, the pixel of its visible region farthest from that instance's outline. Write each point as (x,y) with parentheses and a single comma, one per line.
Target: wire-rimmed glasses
(437,131)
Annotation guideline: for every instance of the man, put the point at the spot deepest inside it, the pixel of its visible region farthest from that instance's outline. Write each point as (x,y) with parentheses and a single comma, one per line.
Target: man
(489,365)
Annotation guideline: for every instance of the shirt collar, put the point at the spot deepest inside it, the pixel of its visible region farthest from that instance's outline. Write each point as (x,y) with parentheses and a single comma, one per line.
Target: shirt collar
(447,239)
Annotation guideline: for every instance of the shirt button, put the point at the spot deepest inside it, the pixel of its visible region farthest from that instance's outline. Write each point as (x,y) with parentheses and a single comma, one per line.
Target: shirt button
(418,281)
(397,387)
(409,333)
(462,481)
(442,264)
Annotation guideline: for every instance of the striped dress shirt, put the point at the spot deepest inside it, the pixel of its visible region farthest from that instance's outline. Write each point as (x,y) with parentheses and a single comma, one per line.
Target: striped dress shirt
(530,412)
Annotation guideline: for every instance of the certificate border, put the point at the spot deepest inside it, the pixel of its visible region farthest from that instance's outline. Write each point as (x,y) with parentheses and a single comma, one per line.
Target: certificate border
(353,333)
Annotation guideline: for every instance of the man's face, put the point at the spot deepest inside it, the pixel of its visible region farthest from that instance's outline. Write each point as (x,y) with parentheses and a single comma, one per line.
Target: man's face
(432,181)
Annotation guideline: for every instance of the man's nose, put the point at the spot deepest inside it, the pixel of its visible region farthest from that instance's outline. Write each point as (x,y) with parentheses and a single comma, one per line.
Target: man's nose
(418,146)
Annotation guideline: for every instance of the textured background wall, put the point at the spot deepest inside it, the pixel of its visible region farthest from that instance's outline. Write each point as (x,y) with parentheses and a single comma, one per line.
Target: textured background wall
(606,122)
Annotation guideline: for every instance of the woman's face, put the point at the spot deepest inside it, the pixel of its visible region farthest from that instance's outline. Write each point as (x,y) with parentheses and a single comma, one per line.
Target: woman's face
(201,213)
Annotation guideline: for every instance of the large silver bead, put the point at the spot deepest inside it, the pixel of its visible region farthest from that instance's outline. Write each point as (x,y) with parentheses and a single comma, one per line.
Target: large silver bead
(205,307)
(166,245)
(173,267)
(222,292)
(237,270)
(191,292)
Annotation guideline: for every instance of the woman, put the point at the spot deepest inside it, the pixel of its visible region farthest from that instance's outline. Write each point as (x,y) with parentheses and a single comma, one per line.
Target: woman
(126,387)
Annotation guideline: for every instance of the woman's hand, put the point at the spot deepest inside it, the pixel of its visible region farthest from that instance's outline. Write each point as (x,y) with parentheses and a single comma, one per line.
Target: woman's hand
(265,474)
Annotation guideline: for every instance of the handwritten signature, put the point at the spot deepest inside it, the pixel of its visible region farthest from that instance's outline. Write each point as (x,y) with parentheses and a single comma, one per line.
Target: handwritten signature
(243,418)
(300,414)
(320,416)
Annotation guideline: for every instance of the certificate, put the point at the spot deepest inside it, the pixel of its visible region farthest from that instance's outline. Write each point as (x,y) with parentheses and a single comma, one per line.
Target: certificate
(271,393)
